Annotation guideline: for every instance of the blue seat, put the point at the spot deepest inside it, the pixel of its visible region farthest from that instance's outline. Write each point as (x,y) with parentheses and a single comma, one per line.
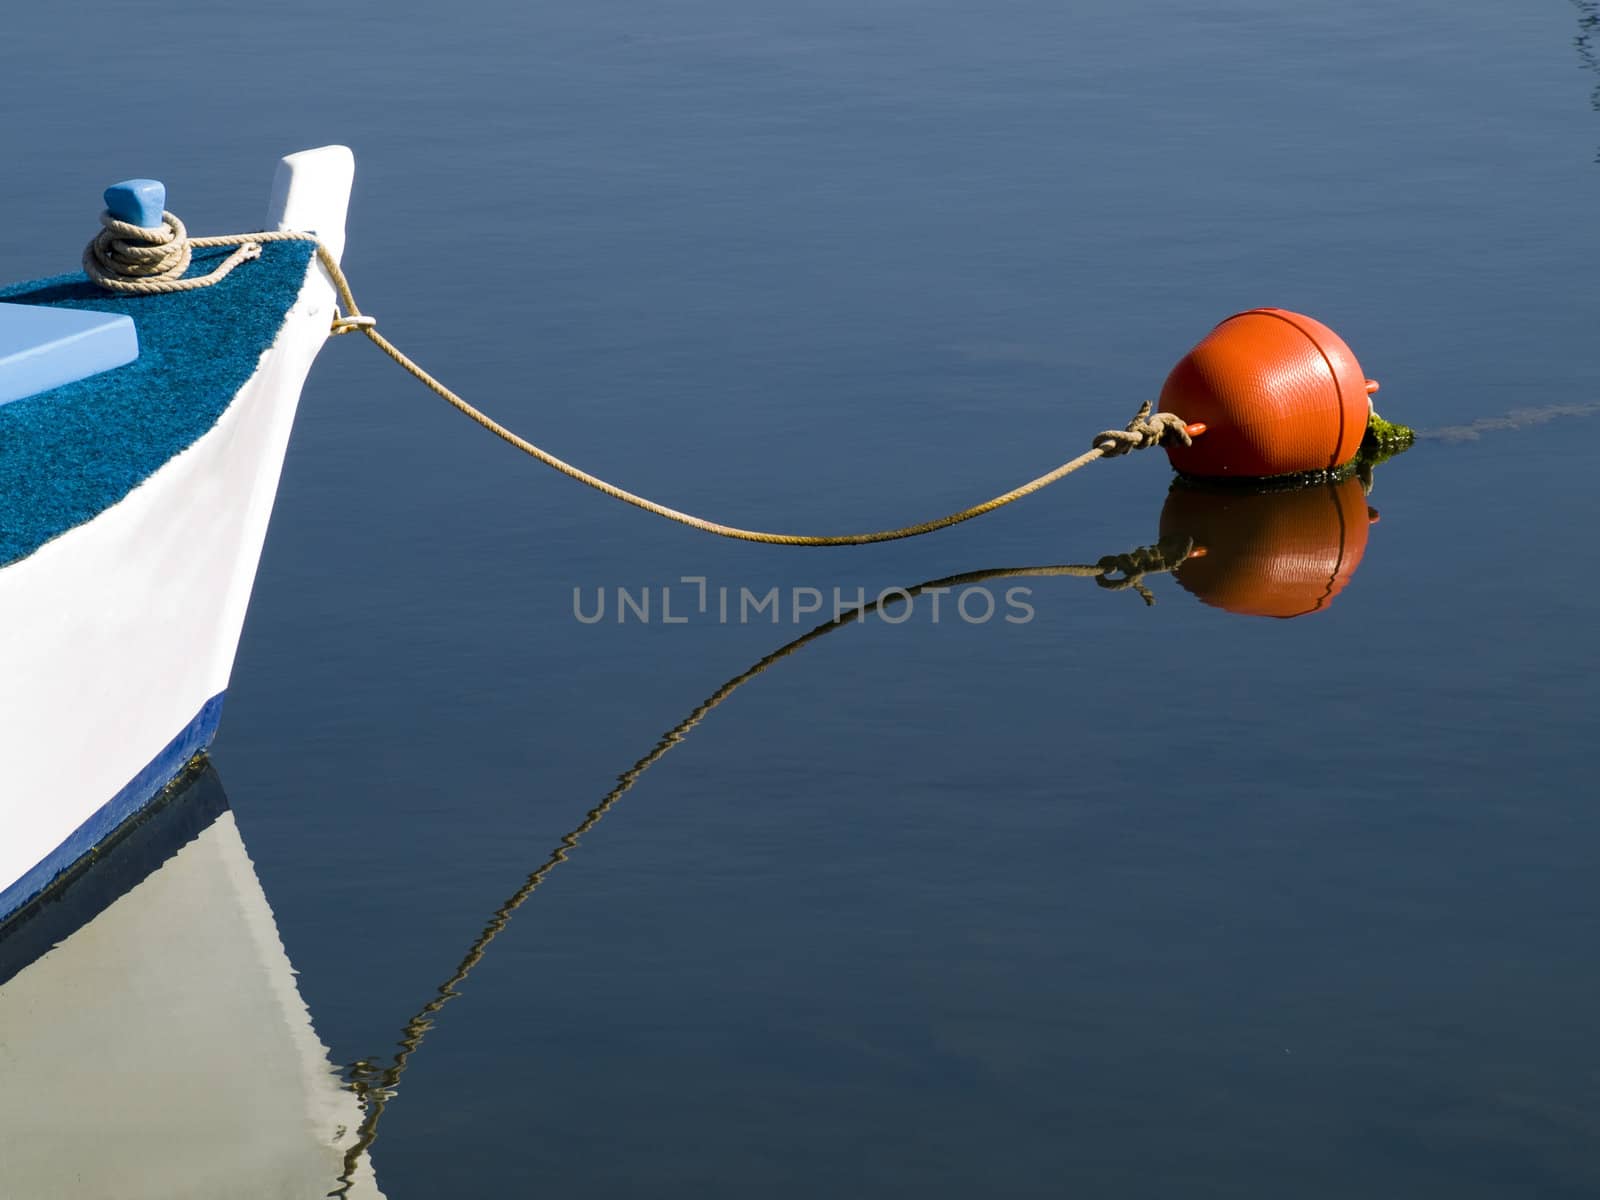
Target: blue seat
(43,348)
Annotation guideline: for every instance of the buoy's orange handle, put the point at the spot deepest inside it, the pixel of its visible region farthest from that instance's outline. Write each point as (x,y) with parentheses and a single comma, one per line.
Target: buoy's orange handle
(1195,429)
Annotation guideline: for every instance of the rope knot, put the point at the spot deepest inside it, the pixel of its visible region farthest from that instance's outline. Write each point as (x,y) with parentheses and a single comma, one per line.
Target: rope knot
(124,257)
(354,323)
(1143,432)
(122,251)
(1166,555)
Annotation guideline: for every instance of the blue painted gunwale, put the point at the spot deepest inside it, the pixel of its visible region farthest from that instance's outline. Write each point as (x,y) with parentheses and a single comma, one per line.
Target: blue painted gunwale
(126,804)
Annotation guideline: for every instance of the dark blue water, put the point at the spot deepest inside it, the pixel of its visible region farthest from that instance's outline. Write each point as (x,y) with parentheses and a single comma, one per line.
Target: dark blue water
(1119,900)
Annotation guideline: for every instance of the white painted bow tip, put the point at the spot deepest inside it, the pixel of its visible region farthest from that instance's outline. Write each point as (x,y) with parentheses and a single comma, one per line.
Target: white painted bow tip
(311,193)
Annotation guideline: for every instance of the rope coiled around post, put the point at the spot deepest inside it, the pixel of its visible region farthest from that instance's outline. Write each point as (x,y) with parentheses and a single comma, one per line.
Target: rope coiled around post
(130,258)
(133,259)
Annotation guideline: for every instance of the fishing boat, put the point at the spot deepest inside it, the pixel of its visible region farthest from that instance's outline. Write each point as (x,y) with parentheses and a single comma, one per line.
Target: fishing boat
(141,442)
(163,968)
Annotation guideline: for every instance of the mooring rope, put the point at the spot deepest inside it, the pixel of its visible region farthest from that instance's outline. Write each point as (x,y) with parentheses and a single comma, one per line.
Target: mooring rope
(131,259)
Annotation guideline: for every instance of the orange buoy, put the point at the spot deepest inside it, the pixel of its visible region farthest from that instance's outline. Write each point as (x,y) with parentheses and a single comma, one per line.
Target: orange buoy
(1279,393)
(1269,554)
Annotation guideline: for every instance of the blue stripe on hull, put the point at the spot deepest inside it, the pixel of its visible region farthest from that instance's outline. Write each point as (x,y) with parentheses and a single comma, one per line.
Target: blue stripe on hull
(176,817)
(139,791)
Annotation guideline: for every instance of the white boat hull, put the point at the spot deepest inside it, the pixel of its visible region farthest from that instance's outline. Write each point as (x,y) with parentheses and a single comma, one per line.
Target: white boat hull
(120,634)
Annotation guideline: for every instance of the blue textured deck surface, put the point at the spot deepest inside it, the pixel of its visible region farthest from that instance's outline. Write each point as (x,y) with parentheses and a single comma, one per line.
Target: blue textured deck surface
(69,454)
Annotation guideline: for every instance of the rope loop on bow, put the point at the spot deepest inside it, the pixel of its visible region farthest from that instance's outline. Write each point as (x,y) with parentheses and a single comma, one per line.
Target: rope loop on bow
(148,261)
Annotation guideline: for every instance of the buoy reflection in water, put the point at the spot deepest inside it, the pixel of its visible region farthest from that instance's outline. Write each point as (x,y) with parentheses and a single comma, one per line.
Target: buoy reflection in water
(1271,553)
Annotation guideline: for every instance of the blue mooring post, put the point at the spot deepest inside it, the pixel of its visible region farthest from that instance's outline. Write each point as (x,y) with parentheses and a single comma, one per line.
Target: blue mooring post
(137,201)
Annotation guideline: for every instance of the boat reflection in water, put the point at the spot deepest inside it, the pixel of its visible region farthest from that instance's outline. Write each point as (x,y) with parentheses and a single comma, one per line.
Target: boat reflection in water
(152,1039)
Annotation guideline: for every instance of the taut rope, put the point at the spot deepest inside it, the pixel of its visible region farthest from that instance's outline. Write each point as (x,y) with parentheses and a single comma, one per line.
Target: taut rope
(130,258)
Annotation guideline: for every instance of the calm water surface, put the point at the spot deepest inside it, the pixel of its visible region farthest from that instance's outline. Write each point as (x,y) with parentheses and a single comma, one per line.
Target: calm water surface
(1121,900)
